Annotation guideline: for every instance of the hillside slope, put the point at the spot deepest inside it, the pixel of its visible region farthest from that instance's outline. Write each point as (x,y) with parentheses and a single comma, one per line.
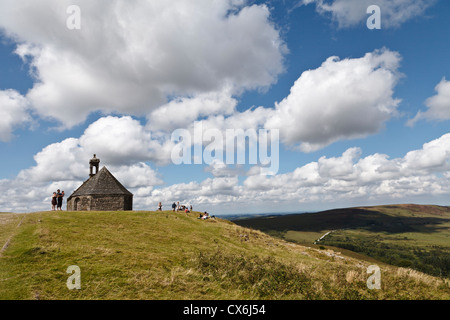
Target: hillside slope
(166,255)
(406,235)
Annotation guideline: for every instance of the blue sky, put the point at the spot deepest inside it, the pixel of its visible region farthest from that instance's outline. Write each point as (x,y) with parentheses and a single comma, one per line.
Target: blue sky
(119,84)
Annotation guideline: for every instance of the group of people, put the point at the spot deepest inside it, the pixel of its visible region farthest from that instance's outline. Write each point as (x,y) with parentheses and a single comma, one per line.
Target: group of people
(177,207)
(205,216)
(57,200)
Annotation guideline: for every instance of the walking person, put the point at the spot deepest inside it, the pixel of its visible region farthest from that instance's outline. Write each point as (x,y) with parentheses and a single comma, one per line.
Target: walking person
(174,205)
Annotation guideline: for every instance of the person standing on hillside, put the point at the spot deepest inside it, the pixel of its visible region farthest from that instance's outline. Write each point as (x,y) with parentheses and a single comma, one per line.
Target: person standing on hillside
(54,201)
(60,198)
(174,205)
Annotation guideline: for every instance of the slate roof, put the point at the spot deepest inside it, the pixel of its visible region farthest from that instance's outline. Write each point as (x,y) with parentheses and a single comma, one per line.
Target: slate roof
(103,183)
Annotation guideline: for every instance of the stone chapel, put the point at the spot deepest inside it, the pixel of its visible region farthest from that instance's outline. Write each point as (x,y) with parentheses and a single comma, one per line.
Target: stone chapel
(101,192)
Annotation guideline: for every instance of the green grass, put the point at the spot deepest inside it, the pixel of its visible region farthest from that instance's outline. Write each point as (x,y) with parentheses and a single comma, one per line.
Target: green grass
(304,237)
(166,255)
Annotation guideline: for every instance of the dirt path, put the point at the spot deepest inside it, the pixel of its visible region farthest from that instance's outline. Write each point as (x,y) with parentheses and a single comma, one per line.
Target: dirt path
(9,219)
(322,237)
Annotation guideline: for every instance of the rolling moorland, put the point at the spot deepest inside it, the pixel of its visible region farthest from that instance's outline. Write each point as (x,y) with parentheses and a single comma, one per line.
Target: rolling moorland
(172,256)
(410,236)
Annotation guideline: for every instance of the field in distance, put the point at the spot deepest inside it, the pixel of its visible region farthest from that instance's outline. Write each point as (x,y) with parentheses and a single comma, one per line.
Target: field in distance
(406,235)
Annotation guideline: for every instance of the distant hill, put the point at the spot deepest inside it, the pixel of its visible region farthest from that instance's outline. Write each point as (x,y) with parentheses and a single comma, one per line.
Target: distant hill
(176,256)
(406,235)
(394,218)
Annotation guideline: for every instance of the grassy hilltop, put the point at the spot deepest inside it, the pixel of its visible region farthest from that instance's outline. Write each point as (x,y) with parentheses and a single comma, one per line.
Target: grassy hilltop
(167,255)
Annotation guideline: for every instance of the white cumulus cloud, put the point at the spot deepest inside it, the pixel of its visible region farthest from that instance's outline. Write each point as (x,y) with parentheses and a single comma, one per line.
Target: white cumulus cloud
(342,99)
(438,105)
(343,180)
(349,13)
(130,57)
(14,112)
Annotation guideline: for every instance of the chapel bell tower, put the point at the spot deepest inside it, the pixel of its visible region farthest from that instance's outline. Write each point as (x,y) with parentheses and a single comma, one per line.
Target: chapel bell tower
(94,163)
